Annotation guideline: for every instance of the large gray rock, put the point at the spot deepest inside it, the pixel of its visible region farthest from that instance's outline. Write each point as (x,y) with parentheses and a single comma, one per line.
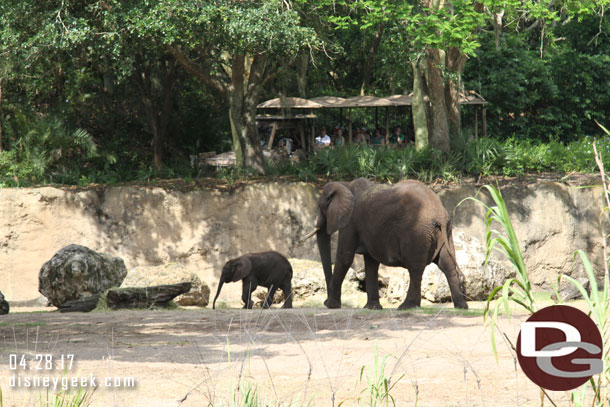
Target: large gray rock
(308,284)
(148,276)
(76,272)
(4,307)
(479,278)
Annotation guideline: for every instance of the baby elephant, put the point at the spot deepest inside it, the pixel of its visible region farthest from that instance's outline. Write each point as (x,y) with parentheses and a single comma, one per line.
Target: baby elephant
(268,269)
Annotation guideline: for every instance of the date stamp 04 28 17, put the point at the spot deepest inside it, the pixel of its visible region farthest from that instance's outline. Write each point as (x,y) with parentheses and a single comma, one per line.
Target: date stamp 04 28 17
(36,371)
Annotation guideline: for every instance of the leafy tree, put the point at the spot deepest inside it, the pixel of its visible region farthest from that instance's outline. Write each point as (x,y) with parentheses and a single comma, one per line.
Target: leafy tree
(233,47)
(437,35)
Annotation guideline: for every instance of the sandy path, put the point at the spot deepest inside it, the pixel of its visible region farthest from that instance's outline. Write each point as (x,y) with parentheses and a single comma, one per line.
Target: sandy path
(313,355)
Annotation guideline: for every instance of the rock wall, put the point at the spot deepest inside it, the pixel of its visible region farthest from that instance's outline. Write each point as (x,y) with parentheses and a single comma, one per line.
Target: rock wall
(202,229)
(552,220)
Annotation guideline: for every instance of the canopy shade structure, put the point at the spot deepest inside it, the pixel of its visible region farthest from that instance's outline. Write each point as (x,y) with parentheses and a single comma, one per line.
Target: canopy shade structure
(289,103)
(328,101)
(400,100)
(365,101)
(467,98)
(472,98)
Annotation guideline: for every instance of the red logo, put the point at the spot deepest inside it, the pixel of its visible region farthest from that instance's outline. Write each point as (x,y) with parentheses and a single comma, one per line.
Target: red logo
(560,348)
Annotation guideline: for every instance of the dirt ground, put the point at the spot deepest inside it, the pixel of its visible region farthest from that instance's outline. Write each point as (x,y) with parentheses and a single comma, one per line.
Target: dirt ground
(301,357)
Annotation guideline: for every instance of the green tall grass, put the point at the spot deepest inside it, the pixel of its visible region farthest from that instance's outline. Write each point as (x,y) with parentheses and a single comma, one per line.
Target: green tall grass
(79,398)
(377,391)
(518,290)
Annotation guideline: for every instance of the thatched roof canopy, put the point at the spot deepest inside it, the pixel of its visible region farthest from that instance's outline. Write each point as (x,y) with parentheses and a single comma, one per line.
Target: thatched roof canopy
(289,103)
(328,101)
(365,101)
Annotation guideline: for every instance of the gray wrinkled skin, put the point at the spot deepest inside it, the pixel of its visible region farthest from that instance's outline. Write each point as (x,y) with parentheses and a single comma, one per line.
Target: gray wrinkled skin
(76,272)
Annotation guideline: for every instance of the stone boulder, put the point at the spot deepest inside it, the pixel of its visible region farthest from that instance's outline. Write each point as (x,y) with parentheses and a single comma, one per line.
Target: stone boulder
(479,278)
(173,273)
(308,284)
(398,283)
(259,295)
(4,307)
(76,272)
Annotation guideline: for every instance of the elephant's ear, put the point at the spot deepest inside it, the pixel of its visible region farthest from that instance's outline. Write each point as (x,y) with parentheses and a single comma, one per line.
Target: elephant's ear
(243,267)
(337,203)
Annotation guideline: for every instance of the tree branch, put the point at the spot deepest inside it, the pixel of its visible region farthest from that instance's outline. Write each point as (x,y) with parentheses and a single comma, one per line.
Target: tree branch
(197,70)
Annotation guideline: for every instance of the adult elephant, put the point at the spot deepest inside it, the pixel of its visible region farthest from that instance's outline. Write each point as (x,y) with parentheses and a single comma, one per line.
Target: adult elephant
(402,225)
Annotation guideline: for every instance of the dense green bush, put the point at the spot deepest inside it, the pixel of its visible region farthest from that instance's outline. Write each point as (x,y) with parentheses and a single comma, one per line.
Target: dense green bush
(480,157)
(554,95)
(49,152)
(46,150)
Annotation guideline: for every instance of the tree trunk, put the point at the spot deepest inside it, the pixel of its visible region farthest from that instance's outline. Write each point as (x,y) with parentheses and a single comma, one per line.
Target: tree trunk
(157,108)
(86,304)
(498,27)
(242,103)
(302,65)
(439,132)
(241,87)
(238,147)
(418,108)
(254,150)
(367,69)
(145,297)
(168,72)
(455,61)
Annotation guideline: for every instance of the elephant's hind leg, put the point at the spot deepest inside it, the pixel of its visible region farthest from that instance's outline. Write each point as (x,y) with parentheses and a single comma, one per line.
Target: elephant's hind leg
(287,290)
(414,293)
(371,273)
(446,262)
(269,298)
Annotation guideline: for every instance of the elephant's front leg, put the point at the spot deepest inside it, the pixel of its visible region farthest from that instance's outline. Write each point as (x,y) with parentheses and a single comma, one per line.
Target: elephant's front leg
(414,293)
(448,265)
(371,273)
(246,293)
(346,248)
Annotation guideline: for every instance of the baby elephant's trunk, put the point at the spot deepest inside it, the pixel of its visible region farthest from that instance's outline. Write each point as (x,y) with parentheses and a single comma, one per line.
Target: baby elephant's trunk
(217,294)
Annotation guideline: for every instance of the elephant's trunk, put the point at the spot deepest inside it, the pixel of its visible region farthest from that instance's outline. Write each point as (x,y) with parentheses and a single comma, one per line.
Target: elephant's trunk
(324,248)
(217,294)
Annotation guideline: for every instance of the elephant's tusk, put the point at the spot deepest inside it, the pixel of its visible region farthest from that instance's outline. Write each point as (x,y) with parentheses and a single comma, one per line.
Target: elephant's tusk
(308,236)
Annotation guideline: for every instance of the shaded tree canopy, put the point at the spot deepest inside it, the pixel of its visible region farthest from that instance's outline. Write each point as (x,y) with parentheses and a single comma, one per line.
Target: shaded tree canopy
(148,83)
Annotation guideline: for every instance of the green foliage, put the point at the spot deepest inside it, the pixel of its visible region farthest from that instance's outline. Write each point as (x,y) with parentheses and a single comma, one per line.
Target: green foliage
(79,398)
(378,386)
(598,304)
(517,289)
(544,97)
(47,150)
(104,67)
(69,158)
(480,157)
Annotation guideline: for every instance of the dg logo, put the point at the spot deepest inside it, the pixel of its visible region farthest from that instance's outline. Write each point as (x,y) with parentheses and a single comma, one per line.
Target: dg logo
(560,348)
